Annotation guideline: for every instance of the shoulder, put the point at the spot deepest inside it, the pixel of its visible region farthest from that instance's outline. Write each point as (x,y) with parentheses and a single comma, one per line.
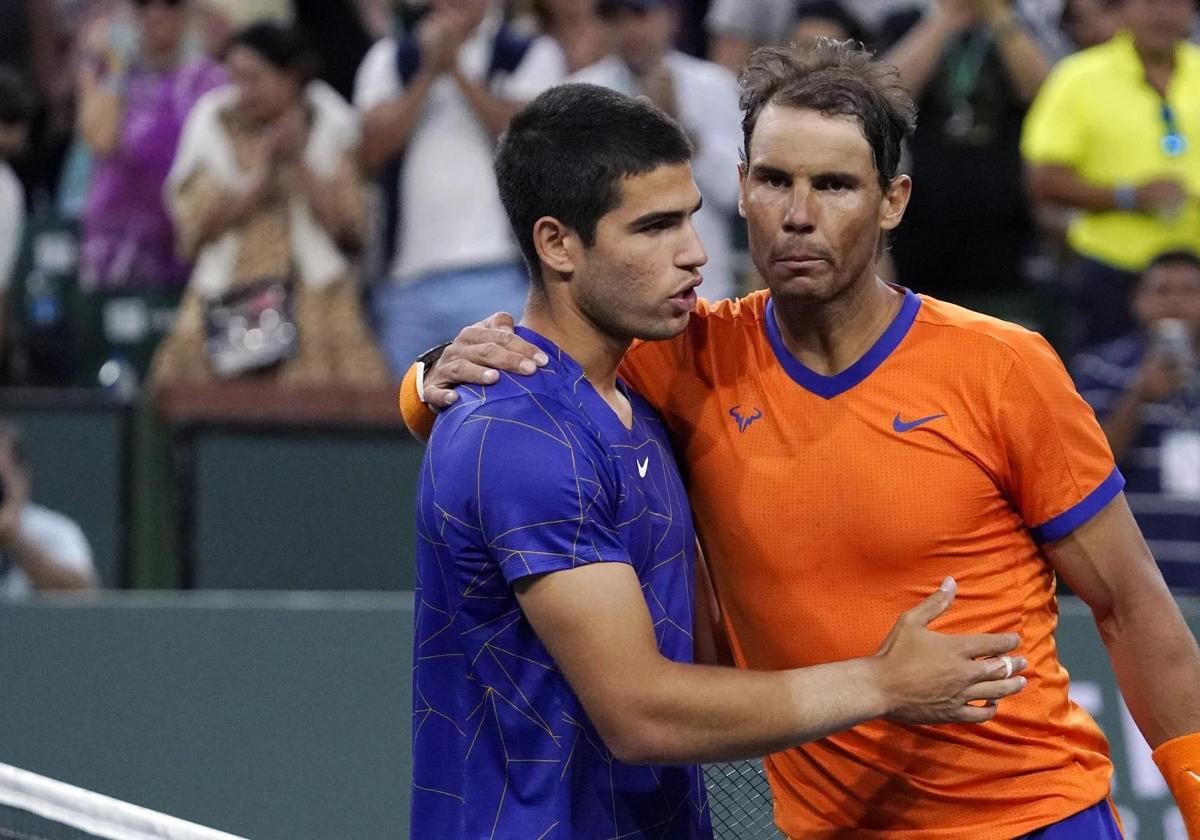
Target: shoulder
(699,70)
(12,193)
(1081,68)
(982,339)
(211,104)
(58,534)
(377,77)
(1110,363)
(532,409)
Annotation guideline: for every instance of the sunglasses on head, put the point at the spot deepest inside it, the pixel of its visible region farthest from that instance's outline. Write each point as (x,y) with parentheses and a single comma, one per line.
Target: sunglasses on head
(171,4)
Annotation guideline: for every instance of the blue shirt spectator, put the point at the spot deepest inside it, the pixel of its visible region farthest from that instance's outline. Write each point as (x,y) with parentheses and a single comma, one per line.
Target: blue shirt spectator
(1145,390)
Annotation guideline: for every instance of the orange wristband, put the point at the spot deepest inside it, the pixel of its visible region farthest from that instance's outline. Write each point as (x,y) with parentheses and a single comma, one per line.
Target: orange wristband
(417,415)
(1179,762)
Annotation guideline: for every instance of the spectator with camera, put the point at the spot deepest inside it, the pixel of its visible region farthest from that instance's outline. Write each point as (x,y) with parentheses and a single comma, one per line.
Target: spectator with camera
(1144,389)
(40,549)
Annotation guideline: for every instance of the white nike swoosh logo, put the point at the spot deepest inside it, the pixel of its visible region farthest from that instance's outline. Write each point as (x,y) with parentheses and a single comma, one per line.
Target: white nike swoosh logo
(643,466)
(1193,774)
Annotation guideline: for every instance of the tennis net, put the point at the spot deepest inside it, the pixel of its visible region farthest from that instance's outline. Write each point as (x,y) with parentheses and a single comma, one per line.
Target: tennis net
(33,807)
(739,799)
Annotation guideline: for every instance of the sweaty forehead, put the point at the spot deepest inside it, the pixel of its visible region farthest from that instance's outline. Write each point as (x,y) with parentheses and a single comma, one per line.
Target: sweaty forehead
(800,139)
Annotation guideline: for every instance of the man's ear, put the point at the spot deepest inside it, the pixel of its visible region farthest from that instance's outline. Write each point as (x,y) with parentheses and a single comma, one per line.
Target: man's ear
(743,171)
(895,201)
(554,243)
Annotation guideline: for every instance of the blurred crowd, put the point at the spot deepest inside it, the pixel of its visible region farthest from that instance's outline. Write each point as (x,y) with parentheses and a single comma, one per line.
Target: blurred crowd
(301,191)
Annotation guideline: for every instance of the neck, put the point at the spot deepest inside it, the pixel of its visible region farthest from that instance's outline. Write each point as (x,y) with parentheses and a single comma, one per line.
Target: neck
(828,337)
(161,58)
(1154,59)
(576,335)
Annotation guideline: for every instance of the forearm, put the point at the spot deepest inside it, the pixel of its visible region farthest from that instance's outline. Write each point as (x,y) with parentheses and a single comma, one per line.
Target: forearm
(99,114)
(1156,661)
(495,113)
(1024,61)
(328,207)
(387,127)
(918,54)
(43,571)
(230,211)
(696,713)
(1056,184)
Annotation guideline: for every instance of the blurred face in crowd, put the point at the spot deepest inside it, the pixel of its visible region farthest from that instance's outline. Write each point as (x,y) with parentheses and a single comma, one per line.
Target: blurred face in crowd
(638,279)
(808,29)
(12,139)
(1158,25)
(643,35)
(163,24)
(1171,290)
(1091,22)
(264,91)
(471,11)
(813,204)
(565,10)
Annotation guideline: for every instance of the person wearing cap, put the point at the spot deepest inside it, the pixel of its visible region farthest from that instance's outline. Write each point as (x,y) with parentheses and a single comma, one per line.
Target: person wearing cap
(1112,136)
(701,95)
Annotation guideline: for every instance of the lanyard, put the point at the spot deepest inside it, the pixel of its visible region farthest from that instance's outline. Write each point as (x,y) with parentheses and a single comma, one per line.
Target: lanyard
(966,65)
(1174,143)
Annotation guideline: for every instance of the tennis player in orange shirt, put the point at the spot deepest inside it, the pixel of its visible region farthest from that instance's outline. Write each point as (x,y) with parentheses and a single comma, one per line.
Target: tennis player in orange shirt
(837,429)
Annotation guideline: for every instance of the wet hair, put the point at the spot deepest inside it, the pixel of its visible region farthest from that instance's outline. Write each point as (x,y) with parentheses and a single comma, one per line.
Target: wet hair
(565,154)
(834,78)
(283,47)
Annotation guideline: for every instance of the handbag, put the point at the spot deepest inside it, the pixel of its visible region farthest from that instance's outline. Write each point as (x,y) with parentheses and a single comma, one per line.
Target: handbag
(252,328)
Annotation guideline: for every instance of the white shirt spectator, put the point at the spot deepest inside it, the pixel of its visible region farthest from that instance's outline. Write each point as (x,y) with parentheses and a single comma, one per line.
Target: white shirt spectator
(707,100)
(450,211)
(58,536)
(769,22)
(12,223)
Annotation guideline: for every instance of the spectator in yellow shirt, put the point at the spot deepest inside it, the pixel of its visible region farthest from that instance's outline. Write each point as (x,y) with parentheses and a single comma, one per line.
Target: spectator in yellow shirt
(1113,135)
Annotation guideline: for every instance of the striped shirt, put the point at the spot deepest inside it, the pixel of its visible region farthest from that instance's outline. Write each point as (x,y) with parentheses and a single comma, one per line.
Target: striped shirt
(1170,523)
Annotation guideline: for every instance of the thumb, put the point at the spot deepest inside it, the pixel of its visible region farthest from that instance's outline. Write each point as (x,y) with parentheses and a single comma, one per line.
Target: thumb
(935,604)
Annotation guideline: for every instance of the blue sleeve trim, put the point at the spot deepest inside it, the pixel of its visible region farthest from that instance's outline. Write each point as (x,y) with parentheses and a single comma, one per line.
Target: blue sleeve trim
(1070,519)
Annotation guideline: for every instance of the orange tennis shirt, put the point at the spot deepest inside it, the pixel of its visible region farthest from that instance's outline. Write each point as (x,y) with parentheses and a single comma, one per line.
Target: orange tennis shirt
(827,505)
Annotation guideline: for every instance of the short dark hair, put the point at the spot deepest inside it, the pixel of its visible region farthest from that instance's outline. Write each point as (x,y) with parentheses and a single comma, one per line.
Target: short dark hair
(283,47)
(565,154)
(834,78)
(1179,256)
(16,98)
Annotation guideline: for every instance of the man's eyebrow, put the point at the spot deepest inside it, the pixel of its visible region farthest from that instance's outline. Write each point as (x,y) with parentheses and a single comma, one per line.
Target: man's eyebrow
(651,219)
(765,170)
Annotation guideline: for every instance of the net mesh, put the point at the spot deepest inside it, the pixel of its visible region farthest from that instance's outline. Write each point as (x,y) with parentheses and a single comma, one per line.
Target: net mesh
(740,801)
(33,807)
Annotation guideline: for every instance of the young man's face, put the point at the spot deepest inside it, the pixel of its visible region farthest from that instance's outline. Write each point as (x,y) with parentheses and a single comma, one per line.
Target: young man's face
(812,202)
(638,280)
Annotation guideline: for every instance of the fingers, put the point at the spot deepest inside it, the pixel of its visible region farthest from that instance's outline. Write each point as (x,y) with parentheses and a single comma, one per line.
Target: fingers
(496,347)
(995,690)
(988,644)
(935,604)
